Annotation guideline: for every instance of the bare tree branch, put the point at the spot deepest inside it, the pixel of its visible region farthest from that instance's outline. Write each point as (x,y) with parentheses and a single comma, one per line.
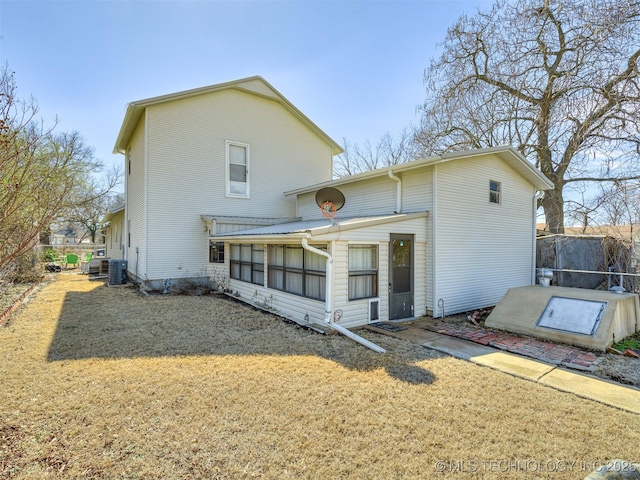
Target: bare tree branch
(559,80)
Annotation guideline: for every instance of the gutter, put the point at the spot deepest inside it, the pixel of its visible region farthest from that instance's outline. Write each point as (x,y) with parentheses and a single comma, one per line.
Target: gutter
(328,303)
(398,190)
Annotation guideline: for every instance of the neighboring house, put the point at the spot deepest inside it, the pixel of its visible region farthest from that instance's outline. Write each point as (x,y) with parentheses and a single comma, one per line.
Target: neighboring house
(227,151)
(64,236)
(113,231)
(221,182)
(435,236)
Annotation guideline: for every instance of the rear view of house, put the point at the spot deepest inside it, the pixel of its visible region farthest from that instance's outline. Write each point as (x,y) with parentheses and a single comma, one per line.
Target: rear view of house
(233,182)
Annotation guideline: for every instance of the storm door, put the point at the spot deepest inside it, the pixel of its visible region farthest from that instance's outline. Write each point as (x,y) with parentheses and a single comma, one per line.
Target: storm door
(400,276)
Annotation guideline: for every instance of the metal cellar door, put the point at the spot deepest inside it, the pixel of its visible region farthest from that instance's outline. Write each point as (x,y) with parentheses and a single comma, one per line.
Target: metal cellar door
(400,276)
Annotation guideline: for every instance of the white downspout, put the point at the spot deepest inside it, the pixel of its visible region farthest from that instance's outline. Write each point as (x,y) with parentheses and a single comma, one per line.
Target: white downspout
(398,190)
(328,303)
(536,197)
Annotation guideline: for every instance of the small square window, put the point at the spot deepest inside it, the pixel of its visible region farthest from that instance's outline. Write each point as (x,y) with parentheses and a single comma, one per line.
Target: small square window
(494,191)
(216,252)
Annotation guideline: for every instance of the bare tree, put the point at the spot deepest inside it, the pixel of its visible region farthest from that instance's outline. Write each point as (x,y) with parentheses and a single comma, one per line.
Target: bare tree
(41,174)
(557,79)
(388,151)
(88,213)
(93,200)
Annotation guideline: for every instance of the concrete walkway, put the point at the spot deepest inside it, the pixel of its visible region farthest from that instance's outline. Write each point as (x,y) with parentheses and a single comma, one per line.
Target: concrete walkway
(544,373)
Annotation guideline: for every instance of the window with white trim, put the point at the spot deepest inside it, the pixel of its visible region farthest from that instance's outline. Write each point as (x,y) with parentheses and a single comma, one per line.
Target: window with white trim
(494,191)
(363,271)
(237,155)
(216,252)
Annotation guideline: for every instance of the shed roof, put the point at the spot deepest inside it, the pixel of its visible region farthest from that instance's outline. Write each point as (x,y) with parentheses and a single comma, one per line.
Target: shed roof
(507,153)
(255,85)
(321,226)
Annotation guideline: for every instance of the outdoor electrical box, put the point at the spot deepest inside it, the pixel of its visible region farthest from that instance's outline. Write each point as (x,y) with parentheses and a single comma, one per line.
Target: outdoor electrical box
(117,272)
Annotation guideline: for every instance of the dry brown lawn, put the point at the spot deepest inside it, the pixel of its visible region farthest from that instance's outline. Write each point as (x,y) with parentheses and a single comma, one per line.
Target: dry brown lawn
(100,382)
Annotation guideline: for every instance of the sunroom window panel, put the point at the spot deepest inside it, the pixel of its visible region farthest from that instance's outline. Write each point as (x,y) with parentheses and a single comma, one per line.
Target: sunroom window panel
(245,253)
(362,286)
(315,286)
(363,257)
(293,282)
(294,257)
(235,270)
(276,279)
(315,262)
(363,271)
(258,277)
(257,254)
(245,273)
(276,255)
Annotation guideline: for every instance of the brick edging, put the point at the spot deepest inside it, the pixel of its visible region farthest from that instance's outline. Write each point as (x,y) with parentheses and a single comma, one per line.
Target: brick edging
(14,306)
(552,353)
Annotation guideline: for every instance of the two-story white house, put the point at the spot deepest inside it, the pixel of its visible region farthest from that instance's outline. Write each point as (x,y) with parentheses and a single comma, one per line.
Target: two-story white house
(229,151)
(226,182)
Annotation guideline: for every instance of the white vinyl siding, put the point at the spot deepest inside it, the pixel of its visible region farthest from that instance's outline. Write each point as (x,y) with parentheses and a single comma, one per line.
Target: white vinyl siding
(481,250)
(186,171)
(373,197)
(134,236)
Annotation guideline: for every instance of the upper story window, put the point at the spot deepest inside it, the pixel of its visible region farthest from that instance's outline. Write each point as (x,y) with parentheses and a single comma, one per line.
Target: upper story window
(494,191)
(237,156)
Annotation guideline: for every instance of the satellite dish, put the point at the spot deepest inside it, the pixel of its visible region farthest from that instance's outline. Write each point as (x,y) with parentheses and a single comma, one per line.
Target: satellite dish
(330,195)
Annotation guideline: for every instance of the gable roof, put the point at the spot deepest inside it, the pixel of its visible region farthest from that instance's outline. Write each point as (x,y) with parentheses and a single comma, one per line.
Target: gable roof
(255,85)
(507,153)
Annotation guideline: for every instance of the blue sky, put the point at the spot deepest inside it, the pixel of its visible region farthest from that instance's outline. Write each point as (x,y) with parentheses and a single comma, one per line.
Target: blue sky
(354,68)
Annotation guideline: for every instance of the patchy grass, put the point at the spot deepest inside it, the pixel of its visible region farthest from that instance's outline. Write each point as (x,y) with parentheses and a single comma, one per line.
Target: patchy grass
(10,294)
(632,342)
(103,382)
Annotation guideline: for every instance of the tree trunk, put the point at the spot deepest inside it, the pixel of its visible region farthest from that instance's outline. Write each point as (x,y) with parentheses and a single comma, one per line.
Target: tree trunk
(553,205)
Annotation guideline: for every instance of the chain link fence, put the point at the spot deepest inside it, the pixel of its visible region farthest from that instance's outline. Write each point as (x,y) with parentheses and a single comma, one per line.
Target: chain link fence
(593,262)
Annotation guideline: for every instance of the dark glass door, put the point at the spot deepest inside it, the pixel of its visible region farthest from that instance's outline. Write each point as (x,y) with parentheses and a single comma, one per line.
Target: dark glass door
(400,276)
